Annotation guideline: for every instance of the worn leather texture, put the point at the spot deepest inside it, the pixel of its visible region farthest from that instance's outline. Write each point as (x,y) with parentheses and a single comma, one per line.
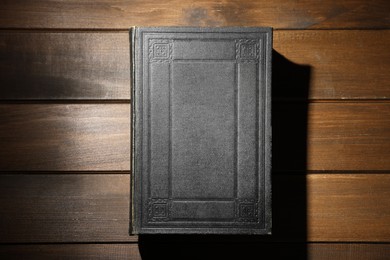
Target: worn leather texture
(201,130)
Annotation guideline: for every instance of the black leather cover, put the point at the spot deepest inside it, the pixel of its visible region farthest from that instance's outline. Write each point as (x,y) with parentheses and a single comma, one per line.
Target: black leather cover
(201,130)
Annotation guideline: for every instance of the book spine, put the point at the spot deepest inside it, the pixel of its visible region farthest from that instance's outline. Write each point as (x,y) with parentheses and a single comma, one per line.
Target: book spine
(133,218)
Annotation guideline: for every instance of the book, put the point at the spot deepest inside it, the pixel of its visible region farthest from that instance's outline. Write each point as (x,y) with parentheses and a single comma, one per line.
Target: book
(201,114)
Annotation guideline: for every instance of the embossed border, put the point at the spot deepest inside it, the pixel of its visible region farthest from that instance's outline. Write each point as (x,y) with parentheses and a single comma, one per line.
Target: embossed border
(239,58)
(158,210)
(160,42)
(251,45)
(247,210)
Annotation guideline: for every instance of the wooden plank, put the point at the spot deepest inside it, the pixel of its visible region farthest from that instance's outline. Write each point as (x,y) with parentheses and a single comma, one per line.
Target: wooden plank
(241,249)
(311,64)
(331,136)
(64,137)
(71,251)
(351,136)
(348,251)
(65,208)
(332,207)
(321,64)
(70,65)
(62,208)
(123,14)
(96,137)
(348,207)
(317,251)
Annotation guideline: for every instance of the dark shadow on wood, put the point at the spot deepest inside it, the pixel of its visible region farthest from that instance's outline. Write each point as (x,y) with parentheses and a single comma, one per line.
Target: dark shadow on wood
(290,88)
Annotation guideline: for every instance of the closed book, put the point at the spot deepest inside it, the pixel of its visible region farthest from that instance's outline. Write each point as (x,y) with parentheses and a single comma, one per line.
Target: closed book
(201,114)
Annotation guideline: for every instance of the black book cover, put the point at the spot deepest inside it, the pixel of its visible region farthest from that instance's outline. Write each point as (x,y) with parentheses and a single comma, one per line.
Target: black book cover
(201,105)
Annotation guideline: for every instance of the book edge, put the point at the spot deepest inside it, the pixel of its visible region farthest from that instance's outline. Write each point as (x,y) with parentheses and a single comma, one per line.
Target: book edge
(133,220)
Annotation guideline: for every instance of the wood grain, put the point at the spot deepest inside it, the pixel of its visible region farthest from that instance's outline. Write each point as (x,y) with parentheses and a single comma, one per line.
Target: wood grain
(71,251)
(331,136)
(124,14)
(64,137)
(79,51)
(96,137)
(317,251)
(348,205)
(67,65)
(356,251)
(350,136)
(311,64)
(342,64)
(62,208)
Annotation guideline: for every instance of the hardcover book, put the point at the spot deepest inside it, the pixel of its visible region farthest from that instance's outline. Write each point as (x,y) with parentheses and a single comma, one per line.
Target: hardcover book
(201,107)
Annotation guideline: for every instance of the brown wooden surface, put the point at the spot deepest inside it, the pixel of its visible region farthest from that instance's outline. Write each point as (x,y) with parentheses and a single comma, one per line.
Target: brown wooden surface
(329,136)
(64,208)
(95,208)
(96,137)
(71,251)
(79,51)
(67,65)
(123,14)
(343,206)
(317,251)
(348,251)
(64,137)
(348,136)
(317,64)
(343,64)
